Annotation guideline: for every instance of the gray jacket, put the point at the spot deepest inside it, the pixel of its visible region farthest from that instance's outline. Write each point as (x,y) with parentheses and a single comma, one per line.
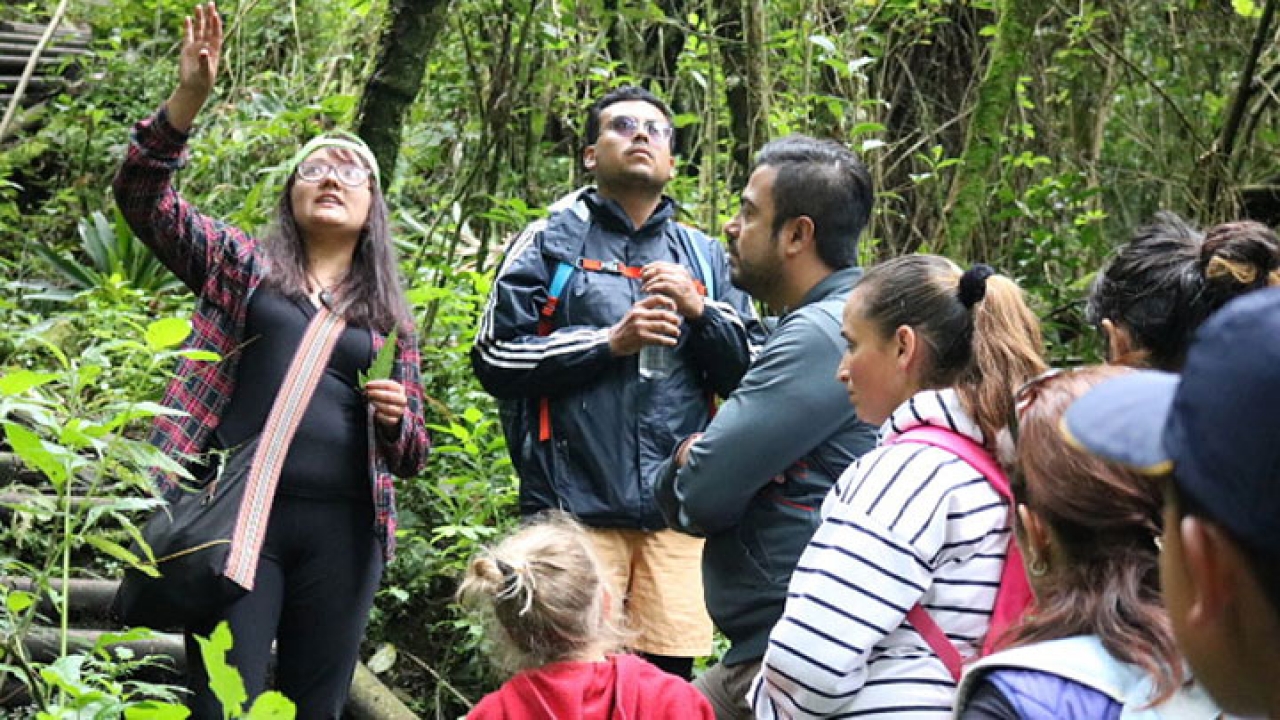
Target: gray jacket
(755,482)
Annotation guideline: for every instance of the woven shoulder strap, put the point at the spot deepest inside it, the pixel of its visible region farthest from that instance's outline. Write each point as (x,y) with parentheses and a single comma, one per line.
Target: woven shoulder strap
(300,381)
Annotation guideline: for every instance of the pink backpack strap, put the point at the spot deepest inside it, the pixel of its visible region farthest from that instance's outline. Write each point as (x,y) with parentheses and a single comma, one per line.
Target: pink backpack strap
(1014,591)
(938,641)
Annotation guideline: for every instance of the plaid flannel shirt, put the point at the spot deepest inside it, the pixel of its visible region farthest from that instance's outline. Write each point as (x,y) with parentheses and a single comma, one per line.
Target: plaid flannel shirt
(222,265)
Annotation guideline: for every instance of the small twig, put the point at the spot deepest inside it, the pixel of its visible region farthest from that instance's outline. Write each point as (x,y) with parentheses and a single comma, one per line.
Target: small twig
(1118,54)
(422,664)
(30,69)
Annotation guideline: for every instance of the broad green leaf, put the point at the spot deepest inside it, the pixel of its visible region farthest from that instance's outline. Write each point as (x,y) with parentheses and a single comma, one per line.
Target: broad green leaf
(167,333)
(867,128)
(224,680)
(823,42)
(33,452)
(381,367)
(1247,8)
(121,553)
(383,659)
(64,673)
(155,710)
(272,705)
(200,355)
(16,383)
(18,600)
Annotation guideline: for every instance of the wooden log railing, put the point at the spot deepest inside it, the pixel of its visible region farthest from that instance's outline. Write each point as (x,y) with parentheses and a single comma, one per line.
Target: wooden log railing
(89,602)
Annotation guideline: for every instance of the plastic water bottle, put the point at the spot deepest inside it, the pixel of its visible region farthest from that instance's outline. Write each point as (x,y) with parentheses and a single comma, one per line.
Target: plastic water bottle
(656,361)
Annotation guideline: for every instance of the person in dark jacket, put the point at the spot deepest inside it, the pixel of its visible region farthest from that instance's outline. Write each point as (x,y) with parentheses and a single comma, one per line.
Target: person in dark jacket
(753,483)
(577,297)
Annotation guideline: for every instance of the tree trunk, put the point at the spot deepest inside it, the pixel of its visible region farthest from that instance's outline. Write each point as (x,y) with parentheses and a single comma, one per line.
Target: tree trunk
(926,79)
(741,33)
(997,96)
(1216,163)
(404,47)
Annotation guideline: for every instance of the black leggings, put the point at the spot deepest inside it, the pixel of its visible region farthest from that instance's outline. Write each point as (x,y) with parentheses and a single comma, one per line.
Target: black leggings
(320,567)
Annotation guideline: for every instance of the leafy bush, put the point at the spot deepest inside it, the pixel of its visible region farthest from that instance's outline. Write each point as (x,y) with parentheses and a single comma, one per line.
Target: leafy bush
(114,255)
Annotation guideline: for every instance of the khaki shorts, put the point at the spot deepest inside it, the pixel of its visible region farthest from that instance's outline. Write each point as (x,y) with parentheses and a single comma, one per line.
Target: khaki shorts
(659,575)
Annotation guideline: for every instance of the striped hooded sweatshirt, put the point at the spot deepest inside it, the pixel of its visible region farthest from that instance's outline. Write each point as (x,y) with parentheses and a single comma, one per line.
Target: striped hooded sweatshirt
(906,523)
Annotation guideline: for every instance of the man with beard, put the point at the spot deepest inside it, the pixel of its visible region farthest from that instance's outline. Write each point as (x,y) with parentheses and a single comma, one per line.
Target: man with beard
(577,297)
(753,484)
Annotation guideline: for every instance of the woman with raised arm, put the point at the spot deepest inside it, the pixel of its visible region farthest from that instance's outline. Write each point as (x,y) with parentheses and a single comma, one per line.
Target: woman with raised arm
(331,521)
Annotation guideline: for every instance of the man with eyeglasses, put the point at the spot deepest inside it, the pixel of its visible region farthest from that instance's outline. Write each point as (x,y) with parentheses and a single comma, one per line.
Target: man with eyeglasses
(577,297)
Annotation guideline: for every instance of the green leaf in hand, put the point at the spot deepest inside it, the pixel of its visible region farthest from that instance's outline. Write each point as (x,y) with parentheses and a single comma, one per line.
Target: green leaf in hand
(381,367)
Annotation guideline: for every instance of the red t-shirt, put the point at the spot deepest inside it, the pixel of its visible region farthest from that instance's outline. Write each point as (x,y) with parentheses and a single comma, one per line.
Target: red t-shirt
(617,688)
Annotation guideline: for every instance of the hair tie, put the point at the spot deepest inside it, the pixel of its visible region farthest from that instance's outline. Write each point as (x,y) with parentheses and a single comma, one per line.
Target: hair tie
(1220,267)
(516,579)
(973,284)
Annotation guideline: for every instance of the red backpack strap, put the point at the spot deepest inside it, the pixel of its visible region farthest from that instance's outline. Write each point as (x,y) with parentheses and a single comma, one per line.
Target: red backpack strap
(1014,592)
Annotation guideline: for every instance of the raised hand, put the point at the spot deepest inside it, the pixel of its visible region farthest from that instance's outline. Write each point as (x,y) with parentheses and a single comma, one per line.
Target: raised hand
(197,65)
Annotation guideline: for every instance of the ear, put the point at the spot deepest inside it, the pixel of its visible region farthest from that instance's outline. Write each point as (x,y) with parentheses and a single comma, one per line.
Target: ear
(1209,558)
(589,157)
(1119,340)
(906,346)
(796,234)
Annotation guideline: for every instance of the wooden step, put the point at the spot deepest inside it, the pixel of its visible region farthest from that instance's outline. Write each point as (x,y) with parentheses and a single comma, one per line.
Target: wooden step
(24,49)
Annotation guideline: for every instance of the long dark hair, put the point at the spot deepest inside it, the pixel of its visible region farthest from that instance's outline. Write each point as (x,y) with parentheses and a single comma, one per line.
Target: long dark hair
(1106,518)
(372,290)
(981,336)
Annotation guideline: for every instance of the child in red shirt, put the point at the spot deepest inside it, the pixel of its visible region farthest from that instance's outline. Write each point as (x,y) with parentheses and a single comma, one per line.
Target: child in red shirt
(553,622)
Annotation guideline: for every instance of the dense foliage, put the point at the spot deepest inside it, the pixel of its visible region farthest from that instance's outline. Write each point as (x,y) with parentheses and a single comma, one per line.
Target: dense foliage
(1032,135)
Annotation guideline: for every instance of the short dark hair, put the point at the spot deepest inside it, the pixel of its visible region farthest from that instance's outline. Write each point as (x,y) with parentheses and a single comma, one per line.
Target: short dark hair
(825,181)
(622,94)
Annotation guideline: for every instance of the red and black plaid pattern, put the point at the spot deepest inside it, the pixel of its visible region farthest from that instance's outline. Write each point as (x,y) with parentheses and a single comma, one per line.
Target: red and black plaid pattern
(222,265)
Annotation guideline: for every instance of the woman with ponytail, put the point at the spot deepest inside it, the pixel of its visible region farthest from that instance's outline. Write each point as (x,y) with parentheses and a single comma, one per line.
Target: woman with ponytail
(552,620)
(1150,298)
(908,523)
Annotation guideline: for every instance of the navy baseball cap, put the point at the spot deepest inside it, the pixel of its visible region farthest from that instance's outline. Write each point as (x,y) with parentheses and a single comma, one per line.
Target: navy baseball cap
(1216,427)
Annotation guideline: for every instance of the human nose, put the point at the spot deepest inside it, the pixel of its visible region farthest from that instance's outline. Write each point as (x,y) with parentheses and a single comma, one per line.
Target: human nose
(842,370)
(732,227)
